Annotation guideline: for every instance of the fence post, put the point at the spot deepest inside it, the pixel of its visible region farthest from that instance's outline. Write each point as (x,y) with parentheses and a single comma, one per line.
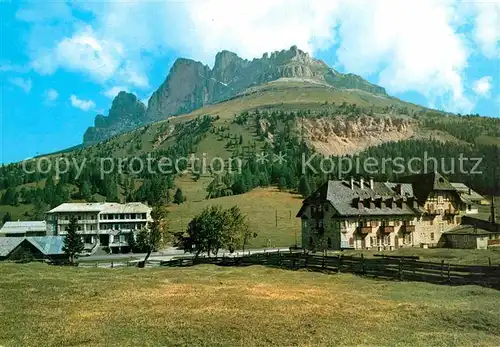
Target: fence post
(323,263)
(95,264)
(111,264)
(362,264)
(449,273)
(489,261)
(306,259)
(340,263)
(401,269)
(442,267)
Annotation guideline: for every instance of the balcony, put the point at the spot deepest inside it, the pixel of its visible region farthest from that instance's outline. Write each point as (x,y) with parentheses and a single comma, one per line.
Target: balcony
(364,230)
(432,211)
(118,244)
(408,228)
(451,212)
(386,229)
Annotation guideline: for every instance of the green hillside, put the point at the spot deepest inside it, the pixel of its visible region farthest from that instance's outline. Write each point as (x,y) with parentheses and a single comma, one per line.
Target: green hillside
(289,116)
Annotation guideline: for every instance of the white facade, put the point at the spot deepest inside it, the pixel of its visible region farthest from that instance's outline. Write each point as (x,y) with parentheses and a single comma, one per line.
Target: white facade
(379,215)
(104,223)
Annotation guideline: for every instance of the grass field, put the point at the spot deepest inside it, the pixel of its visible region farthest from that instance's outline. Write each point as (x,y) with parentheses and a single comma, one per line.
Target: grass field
(260,205)
(220,306)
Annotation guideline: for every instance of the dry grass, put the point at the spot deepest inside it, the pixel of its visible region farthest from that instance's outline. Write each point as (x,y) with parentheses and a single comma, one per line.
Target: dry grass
(254,306)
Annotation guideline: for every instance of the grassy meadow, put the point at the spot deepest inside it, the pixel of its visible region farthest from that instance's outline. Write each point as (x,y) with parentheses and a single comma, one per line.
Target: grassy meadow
(261,206)
(208,305)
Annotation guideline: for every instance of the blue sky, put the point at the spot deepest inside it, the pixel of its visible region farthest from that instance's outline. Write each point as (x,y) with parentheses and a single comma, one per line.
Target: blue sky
(62,63)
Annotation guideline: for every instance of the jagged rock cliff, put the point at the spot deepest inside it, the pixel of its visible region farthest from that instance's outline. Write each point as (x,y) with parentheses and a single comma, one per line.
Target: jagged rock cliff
(126,113)
(191,85)
(343,135)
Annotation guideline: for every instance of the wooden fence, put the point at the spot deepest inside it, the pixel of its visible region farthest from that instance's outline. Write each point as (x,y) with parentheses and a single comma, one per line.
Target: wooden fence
(403,269)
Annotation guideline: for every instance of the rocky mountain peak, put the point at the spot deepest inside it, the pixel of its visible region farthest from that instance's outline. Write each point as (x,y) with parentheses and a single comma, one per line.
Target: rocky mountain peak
(191,85)
(126,113)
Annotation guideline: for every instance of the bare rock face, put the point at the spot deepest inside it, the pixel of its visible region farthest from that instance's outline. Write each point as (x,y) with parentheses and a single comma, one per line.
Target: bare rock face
(347,135)
(191,85)
(126,113)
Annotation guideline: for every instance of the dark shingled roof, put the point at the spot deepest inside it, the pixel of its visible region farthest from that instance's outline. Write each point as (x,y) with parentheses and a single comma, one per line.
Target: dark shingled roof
(344,199)
(425,183)
(468,230)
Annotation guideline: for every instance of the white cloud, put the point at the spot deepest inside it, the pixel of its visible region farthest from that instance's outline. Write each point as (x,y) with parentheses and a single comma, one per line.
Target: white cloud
(421,46)
(51,95)
(84,105)
(101,59)
(483,86)
(487,28)
(24,84)
(410,45)
(113,91)
(254,27)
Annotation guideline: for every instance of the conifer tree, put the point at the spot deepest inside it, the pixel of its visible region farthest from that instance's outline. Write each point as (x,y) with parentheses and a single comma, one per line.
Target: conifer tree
(73,244)
(179,197)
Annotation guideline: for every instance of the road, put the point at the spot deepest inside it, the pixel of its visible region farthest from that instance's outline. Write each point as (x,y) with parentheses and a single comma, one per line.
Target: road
(168,253)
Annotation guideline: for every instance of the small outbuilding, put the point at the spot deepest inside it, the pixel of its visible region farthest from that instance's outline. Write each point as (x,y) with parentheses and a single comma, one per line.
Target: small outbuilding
(32,248)
(468,236)
(24,229)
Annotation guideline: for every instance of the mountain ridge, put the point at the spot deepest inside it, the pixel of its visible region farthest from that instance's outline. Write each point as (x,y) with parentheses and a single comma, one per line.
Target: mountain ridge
(191,85)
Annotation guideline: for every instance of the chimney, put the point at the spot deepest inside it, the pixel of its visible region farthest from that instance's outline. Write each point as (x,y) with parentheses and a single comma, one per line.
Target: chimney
(371,183)
(399,189)
(352,183)
(361,182)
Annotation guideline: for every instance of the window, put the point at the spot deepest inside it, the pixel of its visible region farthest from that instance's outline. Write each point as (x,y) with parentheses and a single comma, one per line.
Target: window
(132,216)
(432,236)
(469,207)
(466,238)
(79,217)
(407,238)
(387,240)
(329,243)
(122,216)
